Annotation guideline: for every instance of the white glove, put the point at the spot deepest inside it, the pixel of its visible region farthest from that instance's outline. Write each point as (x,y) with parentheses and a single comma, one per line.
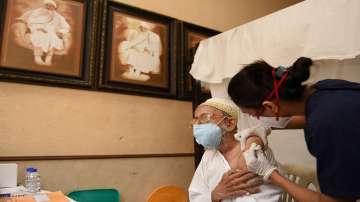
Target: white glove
(259,130)
(260,163)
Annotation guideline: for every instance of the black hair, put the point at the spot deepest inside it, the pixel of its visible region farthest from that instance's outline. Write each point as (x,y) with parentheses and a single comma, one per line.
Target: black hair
(249,87)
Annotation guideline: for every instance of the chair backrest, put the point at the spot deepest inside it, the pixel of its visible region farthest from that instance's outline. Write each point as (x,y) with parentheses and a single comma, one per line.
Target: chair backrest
(168,193)
(95,195)
(300,175)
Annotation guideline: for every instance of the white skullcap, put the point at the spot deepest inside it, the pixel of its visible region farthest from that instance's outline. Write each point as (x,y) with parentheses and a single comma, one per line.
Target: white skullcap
(223,105)
(52,2)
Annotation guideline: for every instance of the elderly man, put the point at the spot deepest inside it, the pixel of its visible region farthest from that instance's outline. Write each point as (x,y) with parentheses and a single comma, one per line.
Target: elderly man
(48,31)
(222,173)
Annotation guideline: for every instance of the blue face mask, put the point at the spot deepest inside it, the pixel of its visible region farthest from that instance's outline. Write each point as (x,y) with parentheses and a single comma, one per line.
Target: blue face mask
(208,135)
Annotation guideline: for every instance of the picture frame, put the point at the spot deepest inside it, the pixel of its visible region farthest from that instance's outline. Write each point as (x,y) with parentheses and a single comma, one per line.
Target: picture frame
(49,42)
(190,37)
(137,54)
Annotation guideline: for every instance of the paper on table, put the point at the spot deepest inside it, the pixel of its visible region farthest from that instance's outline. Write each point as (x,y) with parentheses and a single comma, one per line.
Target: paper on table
(41,197)
(18,199)
(51,196)
(16,191)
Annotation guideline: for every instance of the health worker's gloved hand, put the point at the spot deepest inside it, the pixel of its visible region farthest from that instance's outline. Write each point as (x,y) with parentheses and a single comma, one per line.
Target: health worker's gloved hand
(259,162)
(260,131)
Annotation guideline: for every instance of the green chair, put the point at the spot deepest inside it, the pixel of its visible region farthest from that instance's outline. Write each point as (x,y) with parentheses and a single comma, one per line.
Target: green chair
(95,195)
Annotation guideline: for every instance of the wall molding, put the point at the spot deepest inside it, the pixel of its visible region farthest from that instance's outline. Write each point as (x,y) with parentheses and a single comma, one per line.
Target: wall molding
(85,157)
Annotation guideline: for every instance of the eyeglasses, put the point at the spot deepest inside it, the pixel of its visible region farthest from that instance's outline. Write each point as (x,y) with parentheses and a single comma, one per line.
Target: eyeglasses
(203,118)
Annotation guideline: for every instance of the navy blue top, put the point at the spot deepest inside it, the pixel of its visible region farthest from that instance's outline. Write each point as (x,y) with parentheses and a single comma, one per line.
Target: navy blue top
(332,134)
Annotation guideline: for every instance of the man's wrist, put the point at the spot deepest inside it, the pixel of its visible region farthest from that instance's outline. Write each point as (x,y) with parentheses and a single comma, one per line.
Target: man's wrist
(214,198)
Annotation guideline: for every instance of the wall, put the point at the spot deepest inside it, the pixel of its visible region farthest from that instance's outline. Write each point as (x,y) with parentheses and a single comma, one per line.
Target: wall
(40,121)
(43,121)
(219,15)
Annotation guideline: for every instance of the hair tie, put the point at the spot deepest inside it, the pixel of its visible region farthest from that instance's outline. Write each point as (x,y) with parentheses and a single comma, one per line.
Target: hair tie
(280,71)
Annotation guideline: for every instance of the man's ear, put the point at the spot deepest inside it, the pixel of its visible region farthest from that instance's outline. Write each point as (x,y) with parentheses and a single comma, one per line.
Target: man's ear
(230,124)
(270,107)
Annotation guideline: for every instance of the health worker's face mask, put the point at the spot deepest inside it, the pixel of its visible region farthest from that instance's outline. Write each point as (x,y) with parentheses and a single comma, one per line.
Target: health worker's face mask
(208,134)
(274,122)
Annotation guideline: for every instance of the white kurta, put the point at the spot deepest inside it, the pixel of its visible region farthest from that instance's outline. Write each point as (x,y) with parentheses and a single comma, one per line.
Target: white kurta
(45,26)
(142,51)
(209,173)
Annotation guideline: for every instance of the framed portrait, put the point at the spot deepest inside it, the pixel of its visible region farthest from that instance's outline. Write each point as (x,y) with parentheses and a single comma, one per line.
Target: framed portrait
(137,51)
(48,41)
(190,35)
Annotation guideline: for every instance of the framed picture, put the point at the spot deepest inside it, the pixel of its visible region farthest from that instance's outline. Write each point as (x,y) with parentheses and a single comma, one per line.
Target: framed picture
(48,41)
(191,35)
(137,51)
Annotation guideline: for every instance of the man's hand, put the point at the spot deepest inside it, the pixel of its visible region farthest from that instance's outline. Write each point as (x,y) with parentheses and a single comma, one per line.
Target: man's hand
(236,183)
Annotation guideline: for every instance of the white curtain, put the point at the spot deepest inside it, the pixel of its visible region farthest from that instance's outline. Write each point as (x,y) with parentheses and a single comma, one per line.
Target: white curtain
(319,29)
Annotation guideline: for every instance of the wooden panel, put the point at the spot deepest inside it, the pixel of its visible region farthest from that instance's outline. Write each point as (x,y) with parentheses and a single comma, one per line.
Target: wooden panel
(47,121)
